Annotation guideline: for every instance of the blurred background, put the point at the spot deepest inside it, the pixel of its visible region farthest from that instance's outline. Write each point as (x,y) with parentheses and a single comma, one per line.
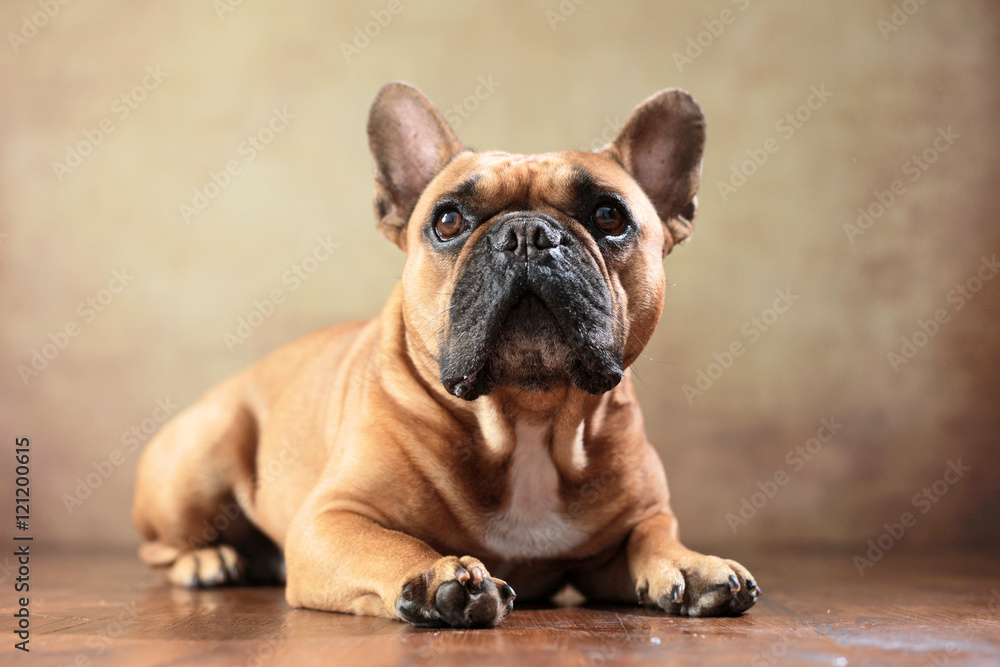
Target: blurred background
(185,186)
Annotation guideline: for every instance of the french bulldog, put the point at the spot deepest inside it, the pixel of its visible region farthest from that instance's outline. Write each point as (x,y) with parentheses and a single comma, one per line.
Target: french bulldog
(481,434)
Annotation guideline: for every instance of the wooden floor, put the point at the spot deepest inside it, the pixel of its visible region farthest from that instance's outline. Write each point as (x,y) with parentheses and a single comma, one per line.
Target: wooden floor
(816,609)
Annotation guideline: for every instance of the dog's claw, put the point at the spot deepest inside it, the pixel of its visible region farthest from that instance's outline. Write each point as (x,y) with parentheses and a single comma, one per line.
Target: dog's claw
(507,592)
(734,583)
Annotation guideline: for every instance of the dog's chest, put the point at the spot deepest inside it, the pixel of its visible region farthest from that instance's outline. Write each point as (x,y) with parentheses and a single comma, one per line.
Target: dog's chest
(533,522)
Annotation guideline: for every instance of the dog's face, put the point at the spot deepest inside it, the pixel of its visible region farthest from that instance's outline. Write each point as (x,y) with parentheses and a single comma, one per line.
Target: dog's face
(534,271)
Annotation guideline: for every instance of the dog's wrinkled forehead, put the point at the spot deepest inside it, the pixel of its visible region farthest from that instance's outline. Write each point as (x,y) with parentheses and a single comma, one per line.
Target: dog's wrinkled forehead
(502,181)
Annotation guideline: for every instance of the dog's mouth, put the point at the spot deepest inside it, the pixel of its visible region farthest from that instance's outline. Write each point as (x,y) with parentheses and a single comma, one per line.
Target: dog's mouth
(532,346)
(531,351)
(527,350)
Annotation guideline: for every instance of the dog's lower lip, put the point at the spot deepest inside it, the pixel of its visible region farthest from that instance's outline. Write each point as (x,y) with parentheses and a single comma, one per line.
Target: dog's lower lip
(462,387)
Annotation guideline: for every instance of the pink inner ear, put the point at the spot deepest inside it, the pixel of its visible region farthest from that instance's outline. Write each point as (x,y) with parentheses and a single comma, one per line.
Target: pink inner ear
(653,152)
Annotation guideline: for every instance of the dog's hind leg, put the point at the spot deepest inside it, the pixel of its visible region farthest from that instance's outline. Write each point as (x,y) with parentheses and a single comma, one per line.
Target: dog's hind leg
(194,490)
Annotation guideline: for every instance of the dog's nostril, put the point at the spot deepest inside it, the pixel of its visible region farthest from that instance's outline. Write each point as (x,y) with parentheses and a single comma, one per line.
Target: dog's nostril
(546,238)
(510,242)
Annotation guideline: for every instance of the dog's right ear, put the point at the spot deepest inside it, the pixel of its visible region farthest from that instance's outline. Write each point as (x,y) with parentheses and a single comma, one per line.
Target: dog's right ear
(411,142)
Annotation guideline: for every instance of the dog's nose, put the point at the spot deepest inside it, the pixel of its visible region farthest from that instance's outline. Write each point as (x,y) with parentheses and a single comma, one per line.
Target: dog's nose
(527,237)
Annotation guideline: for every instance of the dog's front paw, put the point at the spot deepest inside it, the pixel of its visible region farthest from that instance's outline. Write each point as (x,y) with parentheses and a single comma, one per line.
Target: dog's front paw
(698,585)
(456,592)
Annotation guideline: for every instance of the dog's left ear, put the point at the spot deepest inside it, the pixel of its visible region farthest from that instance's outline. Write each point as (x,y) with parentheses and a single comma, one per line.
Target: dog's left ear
(661,145)
(410,142)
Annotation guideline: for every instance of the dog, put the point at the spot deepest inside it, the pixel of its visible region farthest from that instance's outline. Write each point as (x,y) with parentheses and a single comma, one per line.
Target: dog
(481,434)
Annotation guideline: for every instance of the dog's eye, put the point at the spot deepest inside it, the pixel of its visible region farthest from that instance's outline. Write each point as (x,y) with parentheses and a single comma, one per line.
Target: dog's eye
(449,224)
(609,218)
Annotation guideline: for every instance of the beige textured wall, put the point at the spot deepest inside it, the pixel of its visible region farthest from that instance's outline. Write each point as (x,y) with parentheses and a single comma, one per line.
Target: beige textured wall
(197,83)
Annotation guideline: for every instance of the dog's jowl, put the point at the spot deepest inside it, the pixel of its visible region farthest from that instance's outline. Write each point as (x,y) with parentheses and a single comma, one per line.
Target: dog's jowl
(481,435)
